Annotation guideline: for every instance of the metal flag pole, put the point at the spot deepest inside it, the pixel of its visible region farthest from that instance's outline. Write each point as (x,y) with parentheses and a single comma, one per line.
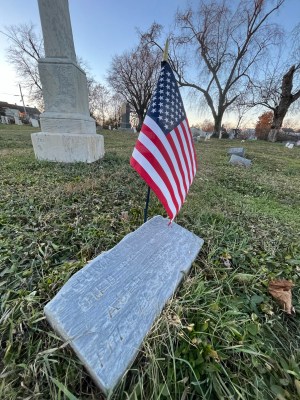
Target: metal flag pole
(147,204)
(165,58)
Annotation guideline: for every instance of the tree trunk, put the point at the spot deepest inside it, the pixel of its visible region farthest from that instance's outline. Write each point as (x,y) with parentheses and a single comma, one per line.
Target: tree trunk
(218,126)
(140,123)
(272,136)
(286,99)
(279,114)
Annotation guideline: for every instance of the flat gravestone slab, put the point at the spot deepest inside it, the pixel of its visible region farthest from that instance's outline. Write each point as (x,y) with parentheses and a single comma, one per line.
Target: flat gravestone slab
(238,151)
(105,310)
(234,159)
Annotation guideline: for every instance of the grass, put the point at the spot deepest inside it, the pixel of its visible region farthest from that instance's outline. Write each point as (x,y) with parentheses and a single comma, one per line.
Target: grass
(220,337)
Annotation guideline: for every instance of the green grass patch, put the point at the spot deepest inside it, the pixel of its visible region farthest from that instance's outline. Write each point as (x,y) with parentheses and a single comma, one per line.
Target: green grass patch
(220,337)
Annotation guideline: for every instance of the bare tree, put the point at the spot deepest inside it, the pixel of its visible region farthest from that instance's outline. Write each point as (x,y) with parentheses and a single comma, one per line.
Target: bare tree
(99,100)
(115,110)
(225,42)
(133,75)
(25,48)
(207,126)
(279,88)
(285,97)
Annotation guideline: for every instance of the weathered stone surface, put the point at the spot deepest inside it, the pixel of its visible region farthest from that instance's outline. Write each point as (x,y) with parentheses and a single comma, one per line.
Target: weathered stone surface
(198,133)
(238,151)
(195,132)
(67,148)
(65,93)
(57,29)
(289,145)
(34,123)
(105,310)
(66,96)
(234,159)
(125,117)
(18,121)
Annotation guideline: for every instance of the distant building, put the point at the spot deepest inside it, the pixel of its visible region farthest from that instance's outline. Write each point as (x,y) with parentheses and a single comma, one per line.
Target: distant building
(13,110)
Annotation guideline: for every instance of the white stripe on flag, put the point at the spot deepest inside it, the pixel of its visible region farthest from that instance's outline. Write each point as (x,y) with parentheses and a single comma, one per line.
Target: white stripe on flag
(161,160)
(162,137)
(155,177)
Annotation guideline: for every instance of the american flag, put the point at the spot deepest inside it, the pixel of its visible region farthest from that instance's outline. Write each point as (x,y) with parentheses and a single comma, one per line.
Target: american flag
(164,154)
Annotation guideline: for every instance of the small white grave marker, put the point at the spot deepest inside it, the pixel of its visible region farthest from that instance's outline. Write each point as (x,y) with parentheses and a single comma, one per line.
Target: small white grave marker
(291,146)
(34,123)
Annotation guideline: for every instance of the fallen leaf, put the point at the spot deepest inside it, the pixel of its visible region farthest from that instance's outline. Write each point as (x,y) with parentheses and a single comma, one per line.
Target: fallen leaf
(280,290)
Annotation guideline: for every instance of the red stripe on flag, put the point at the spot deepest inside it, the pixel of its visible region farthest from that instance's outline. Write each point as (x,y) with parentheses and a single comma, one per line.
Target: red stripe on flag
(158,143)
(158,168)
(150,182)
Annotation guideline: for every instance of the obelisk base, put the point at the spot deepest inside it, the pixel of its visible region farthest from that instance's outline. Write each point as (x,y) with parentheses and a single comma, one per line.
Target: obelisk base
(54,122)
(68,147)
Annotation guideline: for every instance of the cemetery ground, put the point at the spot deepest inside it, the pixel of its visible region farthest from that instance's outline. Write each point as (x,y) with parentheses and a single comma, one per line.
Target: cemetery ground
(221,336)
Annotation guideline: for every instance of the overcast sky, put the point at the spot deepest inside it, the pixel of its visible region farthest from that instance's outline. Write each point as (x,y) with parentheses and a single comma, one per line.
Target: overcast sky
(104,28)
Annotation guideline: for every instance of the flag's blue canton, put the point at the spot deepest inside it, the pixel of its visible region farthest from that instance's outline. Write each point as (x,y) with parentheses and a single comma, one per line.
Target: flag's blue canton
(166,106)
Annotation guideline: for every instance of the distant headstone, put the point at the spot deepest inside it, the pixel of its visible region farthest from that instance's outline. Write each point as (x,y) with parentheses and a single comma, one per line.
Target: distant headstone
(34,123)
(105,310)
(233,133)
(197,134)
(298,143)
(208,135)
(3,120)
(18,121)
(238,151)
(289,145)
(195,131)
(237,160)
(125,117)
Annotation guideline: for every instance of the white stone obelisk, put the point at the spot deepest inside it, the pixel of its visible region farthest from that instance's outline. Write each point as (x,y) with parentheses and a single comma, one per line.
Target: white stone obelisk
(68,132)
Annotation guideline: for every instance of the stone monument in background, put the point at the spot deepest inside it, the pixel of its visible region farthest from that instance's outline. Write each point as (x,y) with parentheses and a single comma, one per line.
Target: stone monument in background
(125,117)
(68,132)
